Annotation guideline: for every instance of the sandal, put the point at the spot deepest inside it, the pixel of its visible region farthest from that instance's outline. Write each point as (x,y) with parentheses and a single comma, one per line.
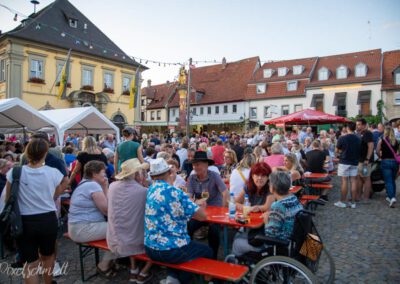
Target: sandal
(109,273)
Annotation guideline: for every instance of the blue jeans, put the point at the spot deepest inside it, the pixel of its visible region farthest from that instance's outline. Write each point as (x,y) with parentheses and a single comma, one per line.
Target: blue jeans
(389,171)
(213,234)
(180,255)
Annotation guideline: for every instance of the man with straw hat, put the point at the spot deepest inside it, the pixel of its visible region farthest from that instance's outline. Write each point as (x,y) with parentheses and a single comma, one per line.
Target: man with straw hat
(168,211)
(126,206)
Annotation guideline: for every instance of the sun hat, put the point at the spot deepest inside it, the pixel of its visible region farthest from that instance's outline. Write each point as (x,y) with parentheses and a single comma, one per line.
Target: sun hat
(158,167)
(130,167)
(201,156)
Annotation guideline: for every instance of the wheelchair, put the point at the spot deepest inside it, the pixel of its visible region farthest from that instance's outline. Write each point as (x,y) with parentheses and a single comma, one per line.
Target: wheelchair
(282,262)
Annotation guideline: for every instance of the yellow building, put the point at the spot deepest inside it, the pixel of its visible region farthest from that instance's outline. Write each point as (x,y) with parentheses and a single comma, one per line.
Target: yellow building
(33,55)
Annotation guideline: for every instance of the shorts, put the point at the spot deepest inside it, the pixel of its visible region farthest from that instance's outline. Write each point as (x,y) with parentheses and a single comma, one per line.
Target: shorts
(347,170)
(39,236)
(360,167)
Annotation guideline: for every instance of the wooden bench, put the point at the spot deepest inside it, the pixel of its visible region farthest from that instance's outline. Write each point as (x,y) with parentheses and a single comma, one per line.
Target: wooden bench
(200,266)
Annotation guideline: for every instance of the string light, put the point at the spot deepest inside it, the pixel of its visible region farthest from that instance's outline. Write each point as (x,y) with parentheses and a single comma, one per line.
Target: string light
(16,17)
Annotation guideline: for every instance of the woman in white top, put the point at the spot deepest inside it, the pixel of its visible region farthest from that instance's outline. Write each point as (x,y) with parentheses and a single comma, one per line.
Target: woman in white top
(178,181)
(240,175)
(39,186)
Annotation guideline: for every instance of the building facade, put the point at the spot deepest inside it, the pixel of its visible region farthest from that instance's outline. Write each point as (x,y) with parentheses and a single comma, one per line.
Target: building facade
(33,55)
(391,84)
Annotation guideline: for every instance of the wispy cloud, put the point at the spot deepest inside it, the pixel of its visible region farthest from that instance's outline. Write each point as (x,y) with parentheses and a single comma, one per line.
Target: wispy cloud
(391,25)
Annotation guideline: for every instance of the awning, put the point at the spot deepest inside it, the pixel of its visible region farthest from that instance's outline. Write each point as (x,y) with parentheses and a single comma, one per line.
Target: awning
(308,116)
(337,97)
(315,98)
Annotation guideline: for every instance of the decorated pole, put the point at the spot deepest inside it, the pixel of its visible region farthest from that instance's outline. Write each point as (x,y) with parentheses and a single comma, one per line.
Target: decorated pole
(182,91)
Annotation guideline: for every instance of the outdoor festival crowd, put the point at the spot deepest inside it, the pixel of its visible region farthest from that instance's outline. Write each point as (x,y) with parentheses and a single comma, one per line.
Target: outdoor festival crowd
(149,193)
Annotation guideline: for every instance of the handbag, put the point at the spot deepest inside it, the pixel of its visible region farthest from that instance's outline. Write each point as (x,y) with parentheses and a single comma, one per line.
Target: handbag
(10,217)
(396,157)
(311,247)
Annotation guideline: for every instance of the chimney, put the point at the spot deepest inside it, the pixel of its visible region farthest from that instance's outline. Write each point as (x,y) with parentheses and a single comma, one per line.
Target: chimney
(167,82)
(149,83)
(223,62)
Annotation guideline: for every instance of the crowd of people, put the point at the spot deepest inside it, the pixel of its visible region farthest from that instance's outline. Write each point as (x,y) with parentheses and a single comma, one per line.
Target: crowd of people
(148,194)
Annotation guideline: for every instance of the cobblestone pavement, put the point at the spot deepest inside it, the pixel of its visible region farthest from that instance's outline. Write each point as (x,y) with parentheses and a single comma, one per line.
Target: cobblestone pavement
(364,242)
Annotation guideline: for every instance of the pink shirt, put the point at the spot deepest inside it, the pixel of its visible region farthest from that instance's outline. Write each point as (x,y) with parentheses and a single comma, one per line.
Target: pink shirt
(275,160)
(218,154)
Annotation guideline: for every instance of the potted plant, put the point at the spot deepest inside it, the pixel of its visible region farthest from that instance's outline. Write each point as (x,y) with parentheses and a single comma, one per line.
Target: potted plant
(36,80)
(68,84)
(87,88)
(126,93)
(108,90)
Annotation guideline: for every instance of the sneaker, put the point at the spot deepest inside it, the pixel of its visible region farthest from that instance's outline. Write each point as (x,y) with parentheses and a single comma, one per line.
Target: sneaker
(340,204)
(141,279)
(388,199)
(392,202)
(352,205)
(170,280)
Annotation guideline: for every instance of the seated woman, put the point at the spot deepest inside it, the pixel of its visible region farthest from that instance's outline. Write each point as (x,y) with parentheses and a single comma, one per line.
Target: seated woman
(126,205)
(257,189)
(86,220)
(279,221)
(167,213)
(291,164)
(230,163)
(240,175)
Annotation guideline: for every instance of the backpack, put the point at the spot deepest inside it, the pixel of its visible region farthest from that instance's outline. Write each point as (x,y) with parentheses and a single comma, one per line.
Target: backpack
(10,218)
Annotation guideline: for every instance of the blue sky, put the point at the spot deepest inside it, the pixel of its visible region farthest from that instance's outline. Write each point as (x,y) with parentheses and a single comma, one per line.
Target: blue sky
(174,30)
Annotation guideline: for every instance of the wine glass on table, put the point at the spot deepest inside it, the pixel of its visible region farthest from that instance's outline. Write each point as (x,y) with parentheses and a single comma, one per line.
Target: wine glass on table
(205,194)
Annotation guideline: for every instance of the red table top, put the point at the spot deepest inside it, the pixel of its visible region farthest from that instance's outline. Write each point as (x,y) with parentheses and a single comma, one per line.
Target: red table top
(295,189)
(219,215)
(315,175)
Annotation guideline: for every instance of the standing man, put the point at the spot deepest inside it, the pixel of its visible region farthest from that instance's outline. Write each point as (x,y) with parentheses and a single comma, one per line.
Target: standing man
(218,154)
(109,142)
(349,147)
(205,180)
(128,149)
(365,159)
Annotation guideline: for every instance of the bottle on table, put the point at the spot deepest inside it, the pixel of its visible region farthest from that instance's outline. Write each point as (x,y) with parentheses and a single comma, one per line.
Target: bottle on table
(232,206)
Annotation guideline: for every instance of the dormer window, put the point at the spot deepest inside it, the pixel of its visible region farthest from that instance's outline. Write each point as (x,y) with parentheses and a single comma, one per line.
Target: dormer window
(292,86)
(396,76)
(267,73)
(261,88)
(282,71)
(323,74)
(341,72)
(298,69)
(361,70)
(73,23)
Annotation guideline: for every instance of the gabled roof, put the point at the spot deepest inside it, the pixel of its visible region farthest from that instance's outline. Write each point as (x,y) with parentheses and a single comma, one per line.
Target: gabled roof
(54,20)
(308,64)
(372,58)
(218,83)
(159,94)
(391,62)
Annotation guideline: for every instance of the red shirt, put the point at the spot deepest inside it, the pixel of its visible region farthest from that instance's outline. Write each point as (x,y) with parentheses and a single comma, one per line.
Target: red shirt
(218,154)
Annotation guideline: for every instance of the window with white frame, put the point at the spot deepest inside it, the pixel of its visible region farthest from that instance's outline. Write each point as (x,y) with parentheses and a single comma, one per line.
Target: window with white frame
(397,98)
(2,70)
(341,72)
(108,80)
(261,88)
(87,77)
(298,69)
(397,77)
(323,74)
(266,112)
(201,110)
(292,86)
(126,82)
(217,110)
(194,110)
(208,110)
(361,70)
(152,113)
(298,107)
(285,110)
(253,112)
(36,70)
(234,108)
(225,109)
(158,114)
(60,66)
(73,23)
(267,73)
(282,71)
(174,112)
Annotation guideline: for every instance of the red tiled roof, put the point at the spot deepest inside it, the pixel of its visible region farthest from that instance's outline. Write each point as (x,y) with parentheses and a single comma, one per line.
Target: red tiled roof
(217,83)
(276,89)
(391,61)
(372,58)
(159,94)
(308,64)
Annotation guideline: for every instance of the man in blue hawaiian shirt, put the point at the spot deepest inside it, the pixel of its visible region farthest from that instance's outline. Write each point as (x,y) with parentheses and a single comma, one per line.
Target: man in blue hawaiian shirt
(168,210)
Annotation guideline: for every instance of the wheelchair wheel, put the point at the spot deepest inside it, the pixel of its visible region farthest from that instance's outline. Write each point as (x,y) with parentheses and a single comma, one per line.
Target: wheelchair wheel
(281,269)
(324,268)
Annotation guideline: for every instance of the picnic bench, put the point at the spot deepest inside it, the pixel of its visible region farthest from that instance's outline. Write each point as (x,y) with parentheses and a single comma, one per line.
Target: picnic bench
(200,266)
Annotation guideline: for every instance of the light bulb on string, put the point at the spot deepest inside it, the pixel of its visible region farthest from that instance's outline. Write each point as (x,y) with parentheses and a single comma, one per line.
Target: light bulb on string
(63,34)
(37,26)
(123,57)
(115,54)
(104,51)
(147,61)
(16,17)
(91,46)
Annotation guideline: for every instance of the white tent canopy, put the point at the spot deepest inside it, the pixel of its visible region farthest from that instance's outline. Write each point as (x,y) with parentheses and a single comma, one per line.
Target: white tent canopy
(82,120)
(16,114)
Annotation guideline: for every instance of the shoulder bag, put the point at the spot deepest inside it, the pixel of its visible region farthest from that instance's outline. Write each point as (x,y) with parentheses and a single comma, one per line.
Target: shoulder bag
(396,157)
